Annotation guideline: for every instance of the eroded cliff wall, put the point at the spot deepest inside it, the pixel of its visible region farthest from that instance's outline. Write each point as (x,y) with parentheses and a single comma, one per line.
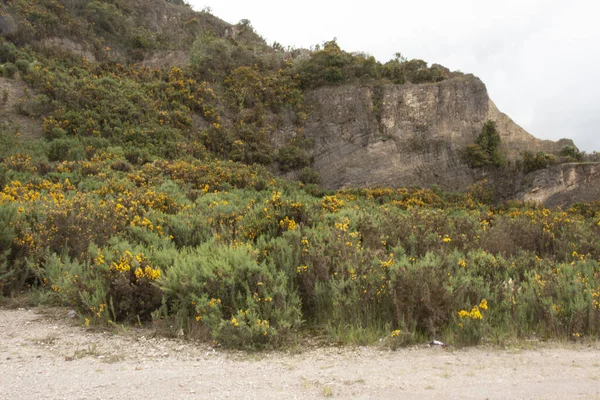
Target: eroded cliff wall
(563,185)
(405,135)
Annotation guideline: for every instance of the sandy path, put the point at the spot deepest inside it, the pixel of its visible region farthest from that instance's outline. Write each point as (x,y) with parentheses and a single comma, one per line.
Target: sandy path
(46,356)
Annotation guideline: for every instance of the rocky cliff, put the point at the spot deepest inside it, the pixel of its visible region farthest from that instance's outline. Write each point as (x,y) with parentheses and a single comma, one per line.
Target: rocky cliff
(563,185)
(405,135)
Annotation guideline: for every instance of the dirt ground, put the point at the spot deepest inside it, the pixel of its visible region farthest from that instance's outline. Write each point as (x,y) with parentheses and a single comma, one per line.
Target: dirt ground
(10,118)
(46,355)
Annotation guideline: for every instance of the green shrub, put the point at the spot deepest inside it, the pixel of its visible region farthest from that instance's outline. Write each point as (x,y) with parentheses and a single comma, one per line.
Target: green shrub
(310,176)
(66,150)
(325,67)
(112,284)
(120,165)
(77,284)
(137,156)
(571,154)
(136,216)
(475,157)
(9,70)
(292,157)
(212,57)
(7,52)
(533,162)
(22,65)
(421,296)
(242,302)
(10,278)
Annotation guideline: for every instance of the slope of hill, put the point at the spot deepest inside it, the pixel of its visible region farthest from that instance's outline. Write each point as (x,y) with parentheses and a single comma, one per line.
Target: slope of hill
(143,150)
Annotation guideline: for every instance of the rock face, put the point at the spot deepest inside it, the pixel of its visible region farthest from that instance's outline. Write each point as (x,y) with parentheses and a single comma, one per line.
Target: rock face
(405,135)
(563,185)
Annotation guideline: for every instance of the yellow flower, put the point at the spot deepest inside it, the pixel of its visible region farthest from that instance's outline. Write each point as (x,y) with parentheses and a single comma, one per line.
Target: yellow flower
(395,333)
(483,304)
(332,203)
(475,313)
(288,224)
(148,272)
(556,308)
(301,269)
(389,262)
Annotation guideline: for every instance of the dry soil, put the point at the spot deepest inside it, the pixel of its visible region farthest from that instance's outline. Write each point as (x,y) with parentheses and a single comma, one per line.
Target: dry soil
(46,355)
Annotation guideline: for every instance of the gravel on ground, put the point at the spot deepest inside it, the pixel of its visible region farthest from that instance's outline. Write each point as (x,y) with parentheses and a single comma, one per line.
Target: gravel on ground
(44,354)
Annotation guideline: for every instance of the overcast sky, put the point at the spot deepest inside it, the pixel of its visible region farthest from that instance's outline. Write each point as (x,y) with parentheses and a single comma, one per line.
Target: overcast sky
(540,59)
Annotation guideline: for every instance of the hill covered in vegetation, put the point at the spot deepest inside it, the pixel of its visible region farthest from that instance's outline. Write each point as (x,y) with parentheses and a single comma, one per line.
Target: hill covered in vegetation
(135,190)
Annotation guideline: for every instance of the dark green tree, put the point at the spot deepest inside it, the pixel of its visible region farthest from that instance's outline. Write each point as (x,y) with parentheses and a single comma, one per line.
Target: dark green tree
(485,151)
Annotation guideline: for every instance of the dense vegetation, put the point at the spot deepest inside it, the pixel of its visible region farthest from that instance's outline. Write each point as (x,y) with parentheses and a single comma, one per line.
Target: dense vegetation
(151,196)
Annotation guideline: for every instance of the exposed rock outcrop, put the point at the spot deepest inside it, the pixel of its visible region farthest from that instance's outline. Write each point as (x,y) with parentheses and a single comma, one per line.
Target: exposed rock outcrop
(405,135)
(563,184)
(70,46)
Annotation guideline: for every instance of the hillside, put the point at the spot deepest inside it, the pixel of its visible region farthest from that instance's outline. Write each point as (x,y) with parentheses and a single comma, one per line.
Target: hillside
(160,165)
(355,121)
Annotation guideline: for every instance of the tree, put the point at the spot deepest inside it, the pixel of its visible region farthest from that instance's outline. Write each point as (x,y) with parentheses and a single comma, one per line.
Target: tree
(489,139)
(533,162)
(485,151)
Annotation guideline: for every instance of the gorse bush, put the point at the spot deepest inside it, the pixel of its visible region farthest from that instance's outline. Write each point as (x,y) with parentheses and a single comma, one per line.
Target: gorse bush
(8,214)
(198,245)
(241,301)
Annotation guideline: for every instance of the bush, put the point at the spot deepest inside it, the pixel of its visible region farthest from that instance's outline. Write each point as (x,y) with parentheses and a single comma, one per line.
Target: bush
(242,302)
(475,157)
(292,157)
(137,156)
(7,52)
(22,65)
(112,284)
(329,66)
(65,150)
(310,176)
(571,154)
(134,219)
(10,278)
(9,70)
(212,57)
(533,162)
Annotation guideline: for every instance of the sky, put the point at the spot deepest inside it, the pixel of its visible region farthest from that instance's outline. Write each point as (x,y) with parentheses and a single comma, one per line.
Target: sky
(540,59)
